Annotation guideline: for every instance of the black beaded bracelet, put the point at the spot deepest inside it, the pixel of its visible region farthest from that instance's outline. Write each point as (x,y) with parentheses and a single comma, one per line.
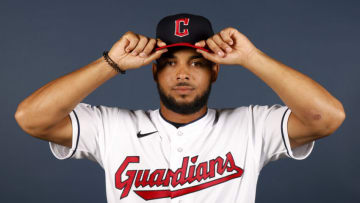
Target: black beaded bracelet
(112,63)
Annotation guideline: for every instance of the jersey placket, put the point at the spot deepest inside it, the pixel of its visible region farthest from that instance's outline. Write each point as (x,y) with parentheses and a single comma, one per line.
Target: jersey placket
(177,155)
(175,142)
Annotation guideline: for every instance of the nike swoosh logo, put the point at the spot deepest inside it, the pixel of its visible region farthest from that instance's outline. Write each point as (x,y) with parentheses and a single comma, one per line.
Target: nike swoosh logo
(139,135)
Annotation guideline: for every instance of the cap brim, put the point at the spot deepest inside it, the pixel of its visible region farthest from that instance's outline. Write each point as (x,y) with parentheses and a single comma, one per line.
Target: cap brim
(182,44)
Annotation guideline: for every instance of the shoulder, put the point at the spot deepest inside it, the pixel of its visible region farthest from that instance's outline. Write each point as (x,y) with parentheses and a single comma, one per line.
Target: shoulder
(264,107)
(233,110)
(263,111)
(250,110)
(112,111)
(231,113)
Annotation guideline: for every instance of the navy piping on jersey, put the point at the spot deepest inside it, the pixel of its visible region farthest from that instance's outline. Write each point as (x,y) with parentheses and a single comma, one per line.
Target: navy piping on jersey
(217,115)
(282,132)
(77,140)
(177,125)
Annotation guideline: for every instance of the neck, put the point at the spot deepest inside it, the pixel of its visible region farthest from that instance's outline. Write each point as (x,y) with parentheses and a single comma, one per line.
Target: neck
(181,118)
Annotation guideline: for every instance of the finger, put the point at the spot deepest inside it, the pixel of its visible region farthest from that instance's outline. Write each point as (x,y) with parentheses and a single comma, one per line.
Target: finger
(160,43)
(202,43)
(222,44)
(214,47)
(155,55)
(148,48)
(209,56)
(132,41)
(225,35)
(140,46)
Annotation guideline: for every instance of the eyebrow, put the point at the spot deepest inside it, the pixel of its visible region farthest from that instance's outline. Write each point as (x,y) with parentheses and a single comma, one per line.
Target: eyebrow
(197,56)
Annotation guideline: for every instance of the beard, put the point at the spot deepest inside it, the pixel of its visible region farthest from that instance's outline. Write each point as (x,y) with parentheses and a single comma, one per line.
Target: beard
(184,108)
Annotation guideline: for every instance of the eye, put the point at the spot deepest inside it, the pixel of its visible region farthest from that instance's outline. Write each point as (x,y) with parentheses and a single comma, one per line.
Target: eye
(170,63)
(197,63)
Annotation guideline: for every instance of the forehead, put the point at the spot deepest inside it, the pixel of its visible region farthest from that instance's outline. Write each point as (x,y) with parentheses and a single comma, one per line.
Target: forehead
(181,53)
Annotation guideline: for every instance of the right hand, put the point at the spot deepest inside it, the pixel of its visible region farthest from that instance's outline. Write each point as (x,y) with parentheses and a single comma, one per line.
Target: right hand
(134,50)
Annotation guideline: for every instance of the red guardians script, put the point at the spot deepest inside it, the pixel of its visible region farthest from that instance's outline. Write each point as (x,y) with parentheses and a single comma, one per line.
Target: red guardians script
(199,176)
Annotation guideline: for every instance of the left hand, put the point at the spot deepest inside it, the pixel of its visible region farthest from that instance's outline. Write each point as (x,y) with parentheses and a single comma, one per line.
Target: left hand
(228,47)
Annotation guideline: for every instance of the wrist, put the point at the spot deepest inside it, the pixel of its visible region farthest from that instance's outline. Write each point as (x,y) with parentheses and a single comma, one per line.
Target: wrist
(112,63)
(252,57)
(105,65)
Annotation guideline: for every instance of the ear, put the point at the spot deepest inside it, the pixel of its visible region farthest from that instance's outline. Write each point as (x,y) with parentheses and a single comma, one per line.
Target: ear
(214,72)
(154,71)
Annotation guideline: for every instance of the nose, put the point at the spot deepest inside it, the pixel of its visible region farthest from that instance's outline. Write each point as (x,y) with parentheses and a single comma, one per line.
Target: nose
(182,73)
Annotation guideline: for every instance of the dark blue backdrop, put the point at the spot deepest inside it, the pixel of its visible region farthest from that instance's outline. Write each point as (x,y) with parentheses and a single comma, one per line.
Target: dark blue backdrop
(43,40)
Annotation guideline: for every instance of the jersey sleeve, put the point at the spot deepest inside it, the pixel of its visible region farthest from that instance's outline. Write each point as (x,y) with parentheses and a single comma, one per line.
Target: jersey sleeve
(272,140)
(87,134)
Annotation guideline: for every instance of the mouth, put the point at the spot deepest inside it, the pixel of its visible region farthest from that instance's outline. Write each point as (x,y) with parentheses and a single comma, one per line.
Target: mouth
(183,89)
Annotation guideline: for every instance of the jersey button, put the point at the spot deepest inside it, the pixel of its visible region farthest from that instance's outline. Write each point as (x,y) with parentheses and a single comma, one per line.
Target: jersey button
(180,133)
(179,149)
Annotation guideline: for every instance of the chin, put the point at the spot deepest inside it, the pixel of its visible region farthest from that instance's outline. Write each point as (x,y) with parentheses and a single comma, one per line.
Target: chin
(184,99)
(184,103)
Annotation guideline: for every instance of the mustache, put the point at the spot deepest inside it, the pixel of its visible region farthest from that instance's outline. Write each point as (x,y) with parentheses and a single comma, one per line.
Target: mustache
(183,84)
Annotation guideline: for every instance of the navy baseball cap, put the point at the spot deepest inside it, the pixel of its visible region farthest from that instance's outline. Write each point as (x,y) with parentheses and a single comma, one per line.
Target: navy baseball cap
(183,30)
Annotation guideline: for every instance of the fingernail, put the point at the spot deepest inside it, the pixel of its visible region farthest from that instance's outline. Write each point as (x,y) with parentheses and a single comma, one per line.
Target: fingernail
(220,53)
(228,49)
(231,42)
(142,54)
(134,53)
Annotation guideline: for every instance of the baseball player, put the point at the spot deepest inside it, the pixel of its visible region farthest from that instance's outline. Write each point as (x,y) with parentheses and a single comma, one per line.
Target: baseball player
(184,151)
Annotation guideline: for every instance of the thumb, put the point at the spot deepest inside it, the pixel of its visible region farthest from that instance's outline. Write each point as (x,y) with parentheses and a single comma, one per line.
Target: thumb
(202,43)
(160,43)
(155,55)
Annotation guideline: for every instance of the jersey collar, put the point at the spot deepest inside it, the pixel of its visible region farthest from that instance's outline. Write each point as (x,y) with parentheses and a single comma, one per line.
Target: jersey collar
(192,128)
(182,124)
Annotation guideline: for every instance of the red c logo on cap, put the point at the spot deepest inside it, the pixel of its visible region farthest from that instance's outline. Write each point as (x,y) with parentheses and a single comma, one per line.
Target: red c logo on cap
(185,21)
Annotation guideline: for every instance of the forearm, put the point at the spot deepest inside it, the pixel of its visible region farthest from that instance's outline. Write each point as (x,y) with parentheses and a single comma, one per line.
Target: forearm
(309,101)
(55,100)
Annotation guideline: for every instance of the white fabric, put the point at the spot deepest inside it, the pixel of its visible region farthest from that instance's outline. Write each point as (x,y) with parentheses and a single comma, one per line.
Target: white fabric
(251,136)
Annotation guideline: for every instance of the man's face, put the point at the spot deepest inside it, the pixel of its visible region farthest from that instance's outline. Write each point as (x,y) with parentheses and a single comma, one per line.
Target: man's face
(184,80)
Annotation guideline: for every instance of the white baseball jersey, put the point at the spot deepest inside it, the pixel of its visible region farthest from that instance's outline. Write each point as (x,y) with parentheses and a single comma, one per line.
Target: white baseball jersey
(216,158)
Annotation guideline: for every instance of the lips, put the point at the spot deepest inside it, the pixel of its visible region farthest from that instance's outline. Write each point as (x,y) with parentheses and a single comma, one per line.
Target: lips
(183,89)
